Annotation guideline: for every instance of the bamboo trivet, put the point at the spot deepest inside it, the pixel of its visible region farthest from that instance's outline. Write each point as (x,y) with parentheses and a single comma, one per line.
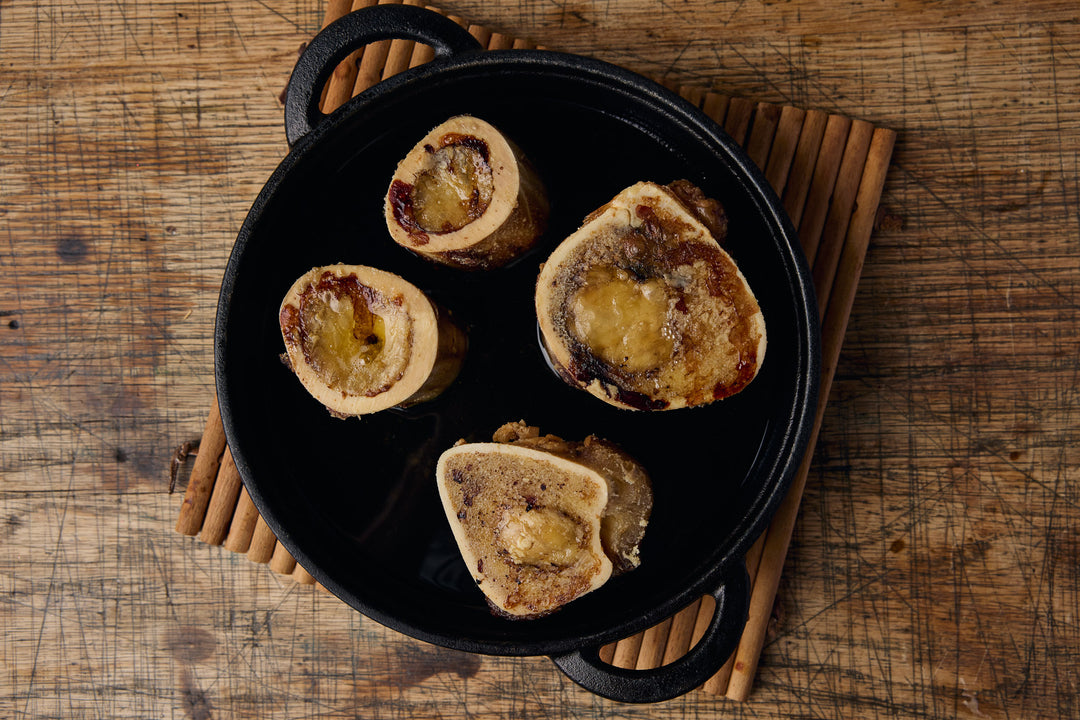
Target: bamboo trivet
(828,170)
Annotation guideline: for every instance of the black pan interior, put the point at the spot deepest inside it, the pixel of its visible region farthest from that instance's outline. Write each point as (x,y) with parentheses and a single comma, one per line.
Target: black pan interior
(355,500)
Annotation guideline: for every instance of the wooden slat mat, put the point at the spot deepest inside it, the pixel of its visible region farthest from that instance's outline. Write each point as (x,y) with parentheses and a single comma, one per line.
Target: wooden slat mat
(828,170)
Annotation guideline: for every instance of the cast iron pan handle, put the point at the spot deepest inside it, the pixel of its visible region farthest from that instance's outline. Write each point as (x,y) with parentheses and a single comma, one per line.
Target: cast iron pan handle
(681,676)
(358,28)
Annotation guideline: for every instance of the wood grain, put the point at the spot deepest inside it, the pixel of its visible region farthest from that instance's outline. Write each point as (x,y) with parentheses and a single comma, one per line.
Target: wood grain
(933,568)
(772,136)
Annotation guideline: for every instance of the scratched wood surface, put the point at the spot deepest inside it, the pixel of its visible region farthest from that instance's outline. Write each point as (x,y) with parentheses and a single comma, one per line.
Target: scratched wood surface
(934,570)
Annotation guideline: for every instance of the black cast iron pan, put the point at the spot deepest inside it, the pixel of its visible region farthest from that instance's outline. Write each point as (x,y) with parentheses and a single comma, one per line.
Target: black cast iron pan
(355,501)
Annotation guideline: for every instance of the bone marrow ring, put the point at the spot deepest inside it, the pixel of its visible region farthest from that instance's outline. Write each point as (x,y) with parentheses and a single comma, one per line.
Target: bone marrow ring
(361,340)
(541,521)
(466,196)
(642,307)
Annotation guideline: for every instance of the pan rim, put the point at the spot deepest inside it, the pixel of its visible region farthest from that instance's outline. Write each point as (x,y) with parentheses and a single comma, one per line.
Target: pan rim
(554,67)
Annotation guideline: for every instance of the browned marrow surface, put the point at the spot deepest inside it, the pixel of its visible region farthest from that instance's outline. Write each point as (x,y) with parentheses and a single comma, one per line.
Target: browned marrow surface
(362,340)
(541,521)
(644,309)
(466,196)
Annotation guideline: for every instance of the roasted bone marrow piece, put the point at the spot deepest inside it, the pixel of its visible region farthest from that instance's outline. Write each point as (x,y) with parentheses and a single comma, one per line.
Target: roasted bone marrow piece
(541,521)
(466,196)
(361,340)
(642,307)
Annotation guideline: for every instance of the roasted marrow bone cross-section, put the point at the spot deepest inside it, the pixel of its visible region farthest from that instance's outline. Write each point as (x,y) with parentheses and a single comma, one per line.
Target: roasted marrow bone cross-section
(541,521)
(466,196)
(362,340)
(644,309)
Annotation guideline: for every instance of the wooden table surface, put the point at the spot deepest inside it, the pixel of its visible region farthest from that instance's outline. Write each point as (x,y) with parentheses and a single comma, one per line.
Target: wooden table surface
(934,569)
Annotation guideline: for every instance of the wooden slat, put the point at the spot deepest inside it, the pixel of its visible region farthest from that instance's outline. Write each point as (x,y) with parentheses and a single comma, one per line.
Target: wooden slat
(783,150)
(334,10)
(282,561)
(262,544)
(242,526)
(372,60)
(765,119)
(481,33)
(653,643)
(801,171)
(399,56)
(737,121)
(626,651)
(203,475)
(839,216)
(302,576)
(693,94)
(679,640)
(826,168)
(499,41)
(339,88)
(715,106)
(222,504)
